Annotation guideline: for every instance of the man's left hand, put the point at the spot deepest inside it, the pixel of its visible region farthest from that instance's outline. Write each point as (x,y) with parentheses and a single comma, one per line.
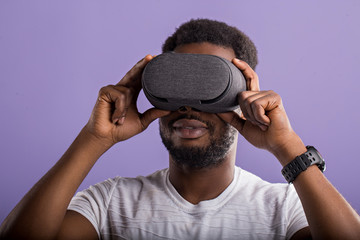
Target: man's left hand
(263,120)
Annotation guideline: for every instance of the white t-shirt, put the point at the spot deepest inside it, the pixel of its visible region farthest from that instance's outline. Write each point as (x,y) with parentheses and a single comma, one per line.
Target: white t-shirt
(150,208)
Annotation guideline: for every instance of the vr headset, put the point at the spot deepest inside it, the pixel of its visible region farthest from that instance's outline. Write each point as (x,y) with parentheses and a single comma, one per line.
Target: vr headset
(207,83)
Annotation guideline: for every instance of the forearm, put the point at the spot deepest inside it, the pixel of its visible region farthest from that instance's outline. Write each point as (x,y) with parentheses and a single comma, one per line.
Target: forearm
(329,215)
(40,213)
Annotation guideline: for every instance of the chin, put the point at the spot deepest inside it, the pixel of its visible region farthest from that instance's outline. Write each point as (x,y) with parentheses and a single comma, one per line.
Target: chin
(201,142)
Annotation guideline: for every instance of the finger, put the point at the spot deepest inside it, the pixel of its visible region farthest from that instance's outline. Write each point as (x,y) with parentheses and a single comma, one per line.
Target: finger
(260,114)
(116,97)
(132,78)
(233,119)
(150,115)
(252,79)
(253,110)
(257,104)
(122,103)
(245,105)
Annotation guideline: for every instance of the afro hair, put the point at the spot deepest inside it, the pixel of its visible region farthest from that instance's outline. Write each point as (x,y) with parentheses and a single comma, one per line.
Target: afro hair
(215,32)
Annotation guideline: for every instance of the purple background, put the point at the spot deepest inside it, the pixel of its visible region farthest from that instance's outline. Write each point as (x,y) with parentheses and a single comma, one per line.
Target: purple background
(56,55)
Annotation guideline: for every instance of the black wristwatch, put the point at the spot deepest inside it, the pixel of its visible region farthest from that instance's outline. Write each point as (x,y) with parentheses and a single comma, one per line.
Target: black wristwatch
(302,162)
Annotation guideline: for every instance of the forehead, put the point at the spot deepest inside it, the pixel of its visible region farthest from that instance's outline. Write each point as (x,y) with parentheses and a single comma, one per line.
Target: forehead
(206,48)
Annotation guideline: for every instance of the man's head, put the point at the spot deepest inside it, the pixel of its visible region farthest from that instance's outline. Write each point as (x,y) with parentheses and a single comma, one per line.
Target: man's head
(194,139)
(217,33)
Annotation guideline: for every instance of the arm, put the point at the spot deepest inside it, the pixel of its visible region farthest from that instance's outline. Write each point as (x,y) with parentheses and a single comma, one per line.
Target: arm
(265,125)
(42,213)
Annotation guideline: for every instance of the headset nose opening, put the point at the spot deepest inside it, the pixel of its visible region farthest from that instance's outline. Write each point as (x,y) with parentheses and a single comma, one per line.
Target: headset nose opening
(184,109)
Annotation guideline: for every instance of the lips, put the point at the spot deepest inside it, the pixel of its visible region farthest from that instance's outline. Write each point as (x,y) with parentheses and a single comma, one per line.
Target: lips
(189,128)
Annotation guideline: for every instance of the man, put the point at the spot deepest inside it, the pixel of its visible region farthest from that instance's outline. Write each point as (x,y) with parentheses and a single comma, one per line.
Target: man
(202,195)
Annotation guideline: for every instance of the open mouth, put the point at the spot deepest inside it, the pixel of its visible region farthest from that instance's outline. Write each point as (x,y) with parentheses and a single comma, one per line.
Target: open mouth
(189,128)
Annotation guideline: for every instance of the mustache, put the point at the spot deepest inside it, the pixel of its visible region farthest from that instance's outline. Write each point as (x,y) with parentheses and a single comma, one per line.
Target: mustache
(190,117)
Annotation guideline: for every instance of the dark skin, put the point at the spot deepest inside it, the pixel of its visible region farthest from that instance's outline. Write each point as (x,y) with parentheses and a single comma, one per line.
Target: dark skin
(198,185)
(205,183)
(193,184)
(42,213)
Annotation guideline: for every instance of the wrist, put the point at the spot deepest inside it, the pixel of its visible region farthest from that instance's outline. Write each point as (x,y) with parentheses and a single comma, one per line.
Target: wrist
(288,151)
(98,145)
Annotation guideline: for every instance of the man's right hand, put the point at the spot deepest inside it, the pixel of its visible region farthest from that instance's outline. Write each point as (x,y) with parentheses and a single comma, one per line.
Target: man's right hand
(115,116)
(42,213)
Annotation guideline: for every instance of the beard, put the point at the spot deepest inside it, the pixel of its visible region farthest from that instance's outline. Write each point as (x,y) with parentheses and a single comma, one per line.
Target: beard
(195,157)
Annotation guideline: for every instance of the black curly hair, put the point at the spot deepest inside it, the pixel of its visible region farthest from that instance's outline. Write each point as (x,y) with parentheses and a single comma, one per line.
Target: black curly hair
(215,32)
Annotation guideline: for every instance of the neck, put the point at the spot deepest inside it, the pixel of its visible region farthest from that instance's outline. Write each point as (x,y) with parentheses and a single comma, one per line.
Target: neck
(196,185)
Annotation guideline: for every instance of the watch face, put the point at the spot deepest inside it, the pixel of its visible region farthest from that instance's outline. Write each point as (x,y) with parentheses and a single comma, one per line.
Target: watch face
(321,161)
(320,155)
(313,150)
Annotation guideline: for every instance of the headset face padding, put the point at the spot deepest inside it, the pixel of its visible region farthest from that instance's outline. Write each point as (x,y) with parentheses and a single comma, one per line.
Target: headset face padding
(205,82)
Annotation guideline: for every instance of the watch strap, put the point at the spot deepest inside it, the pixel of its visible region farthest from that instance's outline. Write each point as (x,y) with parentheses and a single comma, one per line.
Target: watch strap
(302,162)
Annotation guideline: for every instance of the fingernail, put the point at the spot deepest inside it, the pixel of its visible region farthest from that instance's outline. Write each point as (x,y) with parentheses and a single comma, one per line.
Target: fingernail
(265,123)
(115,120)
(148,57)
(122,120)
(263,127)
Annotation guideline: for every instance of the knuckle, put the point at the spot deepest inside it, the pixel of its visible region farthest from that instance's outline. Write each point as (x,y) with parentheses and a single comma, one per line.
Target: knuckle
(242,96)
(123,89)
(127,91)
(273,93)
(255,106)
(250,77)
(105,90)
(276,96)
(121,96)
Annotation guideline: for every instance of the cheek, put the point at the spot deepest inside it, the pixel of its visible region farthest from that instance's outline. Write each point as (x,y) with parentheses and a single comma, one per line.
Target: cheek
(223,131)
(163,127)
(218,127)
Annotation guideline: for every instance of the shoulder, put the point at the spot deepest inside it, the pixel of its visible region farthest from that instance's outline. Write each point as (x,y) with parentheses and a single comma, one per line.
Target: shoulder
(136,188)
(155,179)
(122,186)
(276,202)
(254,186)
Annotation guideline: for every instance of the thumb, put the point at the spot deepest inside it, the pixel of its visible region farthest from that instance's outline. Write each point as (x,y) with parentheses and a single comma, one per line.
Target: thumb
(233,119)
(150,115)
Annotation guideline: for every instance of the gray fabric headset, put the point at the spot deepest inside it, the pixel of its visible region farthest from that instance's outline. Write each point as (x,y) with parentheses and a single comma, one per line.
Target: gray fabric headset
(205,82)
